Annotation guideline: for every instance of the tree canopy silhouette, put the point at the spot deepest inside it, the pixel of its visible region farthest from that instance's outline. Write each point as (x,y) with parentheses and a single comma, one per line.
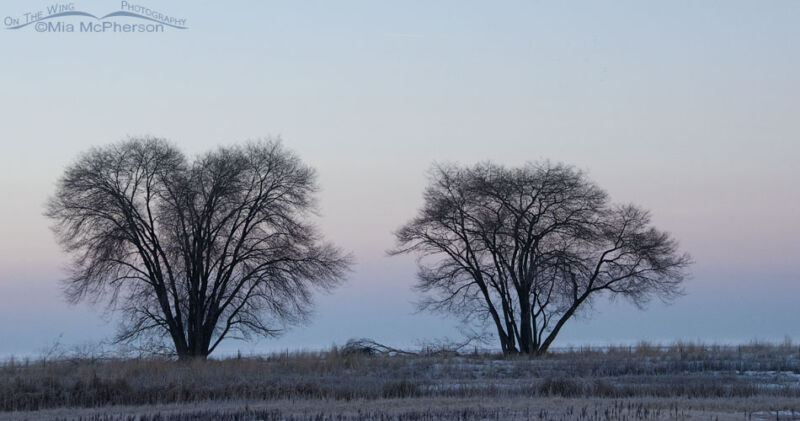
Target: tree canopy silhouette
(528,248)
(194,250)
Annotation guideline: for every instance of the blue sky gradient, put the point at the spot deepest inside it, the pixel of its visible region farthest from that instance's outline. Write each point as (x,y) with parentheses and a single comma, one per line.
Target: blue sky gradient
(686,108)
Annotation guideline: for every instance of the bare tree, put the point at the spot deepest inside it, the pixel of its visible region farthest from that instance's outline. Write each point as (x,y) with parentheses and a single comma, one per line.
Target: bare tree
(194,251)
(528,248)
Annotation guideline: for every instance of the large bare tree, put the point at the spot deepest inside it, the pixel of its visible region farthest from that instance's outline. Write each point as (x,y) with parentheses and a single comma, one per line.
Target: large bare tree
(527,248)
(194,250)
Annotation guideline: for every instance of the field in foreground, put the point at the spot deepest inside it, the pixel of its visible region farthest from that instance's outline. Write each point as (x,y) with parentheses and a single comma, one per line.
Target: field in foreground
(683,381)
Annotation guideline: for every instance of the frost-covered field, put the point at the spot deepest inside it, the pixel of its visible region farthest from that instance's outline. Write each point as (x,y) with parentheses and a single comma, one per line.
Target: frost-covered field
(684,381)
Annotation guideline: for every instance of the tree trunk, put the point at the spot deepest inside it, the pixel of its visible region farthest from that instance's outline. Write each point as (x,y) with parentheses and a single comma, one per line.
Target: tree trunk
(526,326)
(552,336)
(194,346)
(195,352)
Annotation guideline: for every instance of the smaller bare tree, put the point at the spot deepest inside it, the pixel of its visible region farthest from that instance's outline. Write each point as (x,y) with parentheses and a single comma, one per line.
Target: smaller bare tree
(528,248)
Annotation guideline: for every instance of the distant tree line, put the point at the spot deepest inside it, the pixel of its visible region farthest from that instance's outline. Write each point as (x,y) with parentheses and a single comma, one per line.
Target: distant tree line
(197,250)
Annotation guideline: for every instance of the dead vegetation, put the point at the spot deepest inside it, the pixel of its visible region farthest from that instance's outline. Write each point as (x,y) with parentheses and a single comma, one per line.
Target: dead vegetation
(763,377)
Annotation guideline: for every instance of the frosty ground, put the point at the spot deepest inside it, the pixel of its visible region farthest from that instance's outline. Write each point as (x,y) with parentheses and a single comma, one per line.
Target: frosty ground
(681,381)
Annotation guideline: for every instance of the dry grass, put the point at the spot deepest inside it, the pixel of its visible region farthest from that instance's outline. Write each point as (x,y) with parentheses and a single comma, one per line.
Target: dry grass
(644,379)
(430,409)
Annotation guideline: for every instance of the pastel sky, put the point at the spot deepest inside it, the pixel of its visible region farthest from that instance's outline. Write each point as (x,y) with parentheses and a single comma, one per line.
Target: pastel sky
(687,108)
